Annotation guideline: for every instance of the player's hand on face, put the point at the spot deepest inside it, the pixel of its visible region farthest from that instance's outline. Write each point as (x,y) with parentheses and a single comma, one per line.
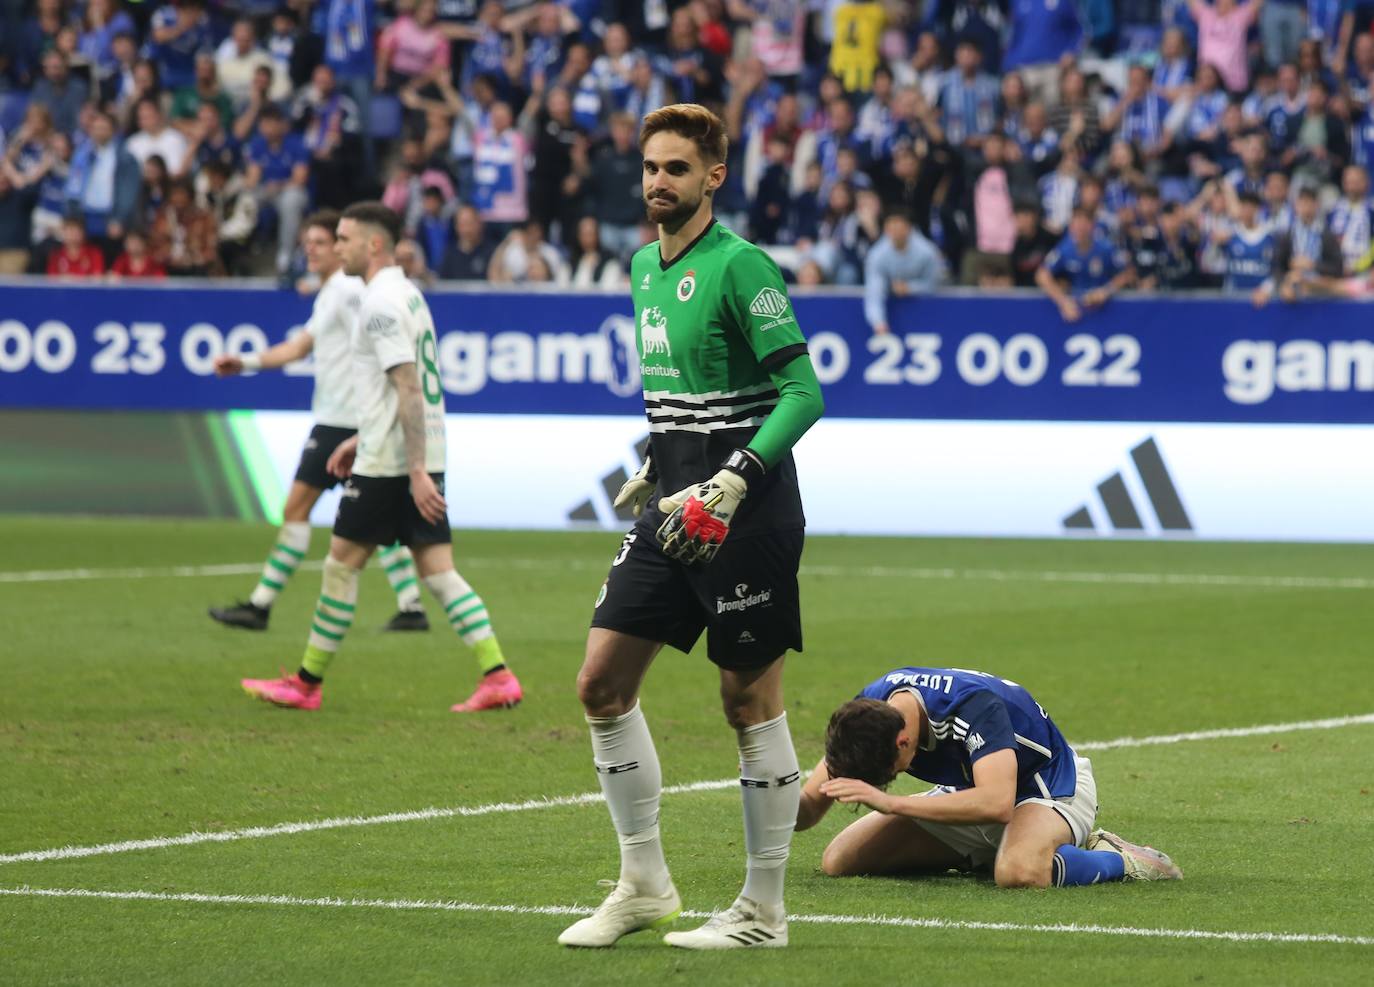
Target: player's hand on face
(428,500)
(340,462)
(851,791)
(227,365)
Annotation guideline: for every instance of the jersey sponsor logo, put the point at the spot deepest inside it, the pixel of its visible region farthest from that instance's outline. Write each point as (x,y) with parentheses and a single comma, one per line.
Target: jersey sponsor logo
(974,742)
(743,600)
(687,286)
(769,303)
(653,332)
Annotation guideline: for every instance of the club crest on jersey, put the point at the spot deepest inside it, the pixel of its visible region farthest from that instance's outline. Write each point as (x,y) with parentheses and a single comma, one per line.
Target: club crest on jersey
(686,286)
(653,332)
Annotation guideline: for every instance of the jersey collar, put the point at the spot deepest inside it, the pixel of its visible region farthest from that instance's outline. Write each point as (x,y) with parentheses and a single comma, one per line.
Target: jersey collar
(663,265)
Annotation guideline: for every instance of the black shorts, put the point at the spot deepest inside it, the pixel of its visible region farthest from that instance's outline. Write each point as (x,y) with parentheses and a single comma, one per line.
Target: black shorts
(746,598)
(379,510)
(324,439)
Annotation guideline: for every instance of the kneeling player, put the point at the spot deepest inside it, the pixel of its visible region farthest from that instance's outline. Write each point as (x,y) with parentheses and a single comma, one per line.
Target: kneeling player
(1011,795)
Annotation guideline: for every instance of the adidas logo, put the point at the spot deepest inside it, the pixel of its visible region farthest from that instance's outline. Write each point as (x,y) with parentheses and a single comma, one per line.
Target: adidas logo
(751,937)
(1121,511)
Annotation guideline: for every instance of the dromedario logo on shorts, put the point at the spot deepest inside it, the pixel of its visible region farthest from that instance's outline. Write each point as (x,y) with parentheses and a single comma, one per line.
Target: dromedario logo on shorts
(744,600)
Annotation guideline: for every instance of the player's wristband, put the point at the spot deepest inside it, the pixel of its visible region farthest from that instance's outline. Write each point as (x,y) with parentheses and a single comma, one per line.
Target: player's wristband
(746,463)
(251,361)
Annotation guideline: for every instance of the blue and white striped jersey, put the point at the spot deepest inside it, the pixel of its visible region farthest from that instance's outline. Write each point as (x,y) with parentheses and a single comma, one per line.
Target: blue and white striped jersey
(974,714)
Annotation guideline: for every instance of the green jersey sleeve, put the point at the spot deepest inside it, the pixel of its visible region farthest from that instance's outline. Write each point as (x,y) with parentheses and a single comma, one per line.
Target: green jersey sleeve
(799,406)
(757,297)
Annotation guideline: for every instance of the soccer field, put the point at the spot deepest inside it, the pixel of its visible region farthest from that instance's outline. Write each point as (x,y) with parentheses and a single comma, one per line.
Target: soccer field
(158,826)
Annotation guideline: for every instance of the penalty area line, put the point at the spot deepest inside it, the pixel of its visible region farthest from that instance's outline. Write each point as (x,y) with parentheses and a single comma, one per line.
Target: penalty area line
(590,798)
(879,921)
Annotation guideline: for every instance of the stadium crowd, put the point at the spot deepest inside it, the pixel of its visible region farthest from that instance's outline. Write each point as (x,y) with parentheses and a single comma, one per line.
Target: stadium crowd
(1082,145)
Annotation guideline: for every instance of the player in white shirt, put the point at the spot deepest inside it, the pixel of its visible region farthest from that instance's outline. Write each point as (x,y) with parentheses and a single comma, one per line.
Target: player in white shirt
(395,469)
(329,335)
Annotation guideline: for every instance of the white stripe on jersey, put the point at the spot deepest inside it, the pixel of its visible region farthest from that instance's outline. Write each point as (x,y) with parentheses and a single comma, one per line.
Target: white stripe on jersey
(1024,742)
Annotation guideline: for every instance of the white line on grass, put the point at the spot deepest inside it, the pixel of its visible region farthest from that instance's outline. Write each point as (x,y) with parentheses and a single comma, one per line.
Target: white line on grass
(587,798)
(889,921)
(876,572)
(339,822)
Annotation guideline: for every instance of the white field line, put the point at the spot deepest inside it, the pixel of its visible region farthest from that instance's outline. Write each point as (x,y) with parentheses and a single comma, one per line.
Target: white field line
(888,921)
(339,822)
(585,798)
(873,572)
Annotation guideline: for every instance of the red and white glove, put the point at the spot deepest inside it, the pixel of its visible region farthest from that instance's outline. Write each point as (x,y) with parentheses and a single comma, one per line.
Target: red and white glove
(699,516)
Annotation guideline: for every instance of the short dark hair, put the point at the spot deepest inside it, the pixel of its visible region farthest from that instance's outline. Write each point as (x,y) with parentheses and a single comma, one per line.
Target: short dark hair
(1249,199)
(325,219)
(375,214)
(861,741)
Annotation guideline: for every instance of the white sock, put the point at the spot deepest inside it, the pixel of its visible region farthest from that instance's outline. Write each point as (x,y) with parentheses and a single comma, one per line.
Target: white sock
(399,566)
(292,542)
(627,767)
(770,786)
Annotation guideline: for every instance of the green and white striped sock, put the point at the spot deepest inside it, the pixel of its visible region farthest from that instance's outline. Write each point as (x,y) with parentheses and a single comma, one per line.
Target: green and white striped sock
(333,616)
(467,614)
(399,566)
(292,542)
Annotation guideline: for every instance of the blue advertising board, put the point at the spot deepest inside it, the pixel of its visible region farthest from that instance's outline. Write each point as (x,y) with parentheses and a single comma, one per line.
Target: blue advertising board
(950,357)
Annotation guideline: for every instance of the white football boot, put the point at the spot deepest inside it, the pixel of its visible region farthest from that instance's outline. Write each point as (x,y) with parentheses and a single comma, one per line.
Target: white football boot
(624,911)
(745,923)
(1143,863)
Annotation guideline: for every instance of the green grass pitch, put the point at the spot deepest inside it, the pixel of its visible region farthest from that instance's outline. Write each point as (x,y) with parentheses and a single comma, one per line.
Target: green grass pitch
(121,718)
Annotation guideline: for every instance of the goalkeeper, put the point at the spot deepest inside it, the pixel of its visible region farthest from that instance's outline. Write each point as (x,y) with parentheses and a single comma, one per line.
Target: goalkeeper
(728,389)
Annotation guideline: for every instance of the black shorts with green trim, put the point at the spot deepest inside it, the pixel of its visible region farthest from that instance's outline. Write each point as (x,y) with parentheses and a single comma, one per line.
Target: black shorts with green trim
(379,510)
(746,599)
(324,439)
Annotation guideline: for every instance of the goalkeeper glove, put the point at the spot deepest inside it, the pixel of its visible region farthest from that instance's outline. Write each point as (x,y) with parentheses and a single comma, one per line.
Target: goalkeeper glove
(699,516)
(636,491)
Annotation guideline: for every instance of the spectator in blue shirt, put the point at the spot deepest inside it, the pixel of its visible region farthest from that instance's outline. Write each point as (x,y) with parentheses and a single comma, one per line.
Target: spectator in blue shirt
(349,29)
(178,33)
(1248,248)
(278,174)
(1140,114)
(1085,270)
(901,263)
(968,98)
(61,92)
(1042,32)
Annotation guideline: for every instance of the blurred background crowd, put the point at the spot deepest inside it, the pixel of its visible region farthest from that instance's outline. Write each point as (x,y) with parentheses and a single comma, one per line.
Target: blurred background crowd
(1085,146)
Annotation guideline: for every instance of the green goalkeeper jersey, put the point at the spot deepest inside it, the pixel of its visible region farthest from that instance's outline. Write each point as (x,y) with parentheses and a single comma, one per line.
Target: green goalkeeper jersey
(714,326)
